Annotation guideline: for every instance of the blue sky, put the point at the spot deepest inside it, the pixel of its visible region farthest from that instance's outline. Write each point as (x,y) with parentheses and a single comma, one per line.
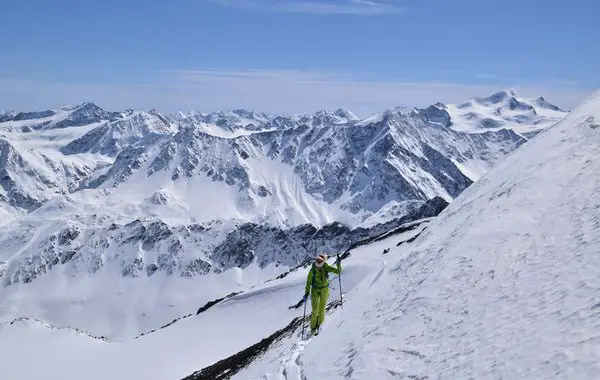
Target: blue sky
(293,55)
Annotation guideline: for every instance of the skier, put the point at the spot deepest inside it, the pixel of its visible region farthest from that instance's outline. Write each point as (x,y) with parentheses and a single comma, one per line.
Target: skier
(317,285)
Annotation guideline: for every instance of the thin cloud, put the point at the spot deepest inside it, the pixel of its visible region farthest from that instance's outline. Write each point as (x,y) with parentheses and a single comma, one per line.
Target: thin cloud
(486,76)
(275,91)
(564,82)
(357,7)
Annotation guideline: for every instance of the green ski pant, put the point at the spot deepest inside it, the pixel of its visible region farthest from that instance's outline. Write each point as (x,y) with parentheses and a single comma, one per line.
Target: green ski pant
(318,302)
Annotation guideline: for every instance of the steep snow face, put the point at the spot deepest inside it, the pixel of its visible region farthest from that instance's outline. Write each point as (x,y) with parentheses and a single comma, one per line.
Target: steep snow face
(504,109)
(111,138)
(32,169)
(70,116)
(503,284)
(29,176)
(57,154)
(230,121)
(7,115)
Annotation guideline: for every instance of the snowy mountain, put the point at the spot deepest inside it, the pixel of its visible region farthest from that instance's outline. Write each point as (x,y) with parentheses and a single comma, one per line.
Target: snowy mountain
(6,115)
(501,284)
(148,205)
(504,109)
(230,121)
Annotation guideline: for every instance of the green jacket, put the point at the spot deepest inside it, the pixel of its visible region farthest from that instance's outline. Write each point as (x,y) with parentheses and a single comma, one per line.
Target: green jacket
(318,278)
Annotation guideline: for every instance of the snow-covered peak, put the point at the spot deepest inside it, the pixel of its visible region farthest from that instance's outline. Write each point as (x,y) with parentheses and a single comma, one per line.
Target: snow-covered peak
(345,114)
(498,97)
(505,100)
(509,100)
(7,115)
(286,122)
(22,116)
(337,117)
(377,118)
(437,115)
(504,110)
(7,112)
(84,105)
(234,119)
(85,114)
(253,115)
(67,116)
(543,103)
(111,137)
(226,123)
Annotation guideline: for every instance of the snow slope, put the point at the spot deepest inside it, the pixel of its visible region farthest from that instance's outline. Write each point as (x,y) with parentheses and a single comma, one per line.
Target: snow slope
(503,284)
(191,343)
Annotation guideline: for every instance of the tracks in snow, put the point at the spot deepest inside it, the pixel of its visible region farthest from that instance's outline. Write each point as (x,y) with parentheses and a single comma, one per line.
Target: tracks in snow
(292,367)
(292,363)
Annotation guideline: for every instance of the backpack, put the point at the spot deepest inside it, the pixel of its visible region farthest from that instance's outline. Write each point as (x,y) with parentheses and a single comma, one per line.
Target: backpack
(314,271)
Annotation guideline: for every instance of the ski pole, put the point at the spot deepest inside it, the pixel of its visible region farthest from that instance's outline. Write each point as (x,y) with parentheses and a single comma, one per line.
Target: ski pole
(340,278)
(303,318)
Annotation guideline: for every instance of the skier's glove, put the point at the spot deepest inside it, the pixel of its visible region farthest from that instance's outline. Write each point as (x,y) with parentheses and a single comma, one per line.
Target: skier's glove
(338,260)
(305,297)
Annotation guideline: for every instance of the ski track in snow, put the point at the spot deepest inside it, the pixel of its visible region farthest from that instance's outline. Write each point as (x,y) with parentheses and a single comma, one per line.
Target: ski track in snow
(292,367)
